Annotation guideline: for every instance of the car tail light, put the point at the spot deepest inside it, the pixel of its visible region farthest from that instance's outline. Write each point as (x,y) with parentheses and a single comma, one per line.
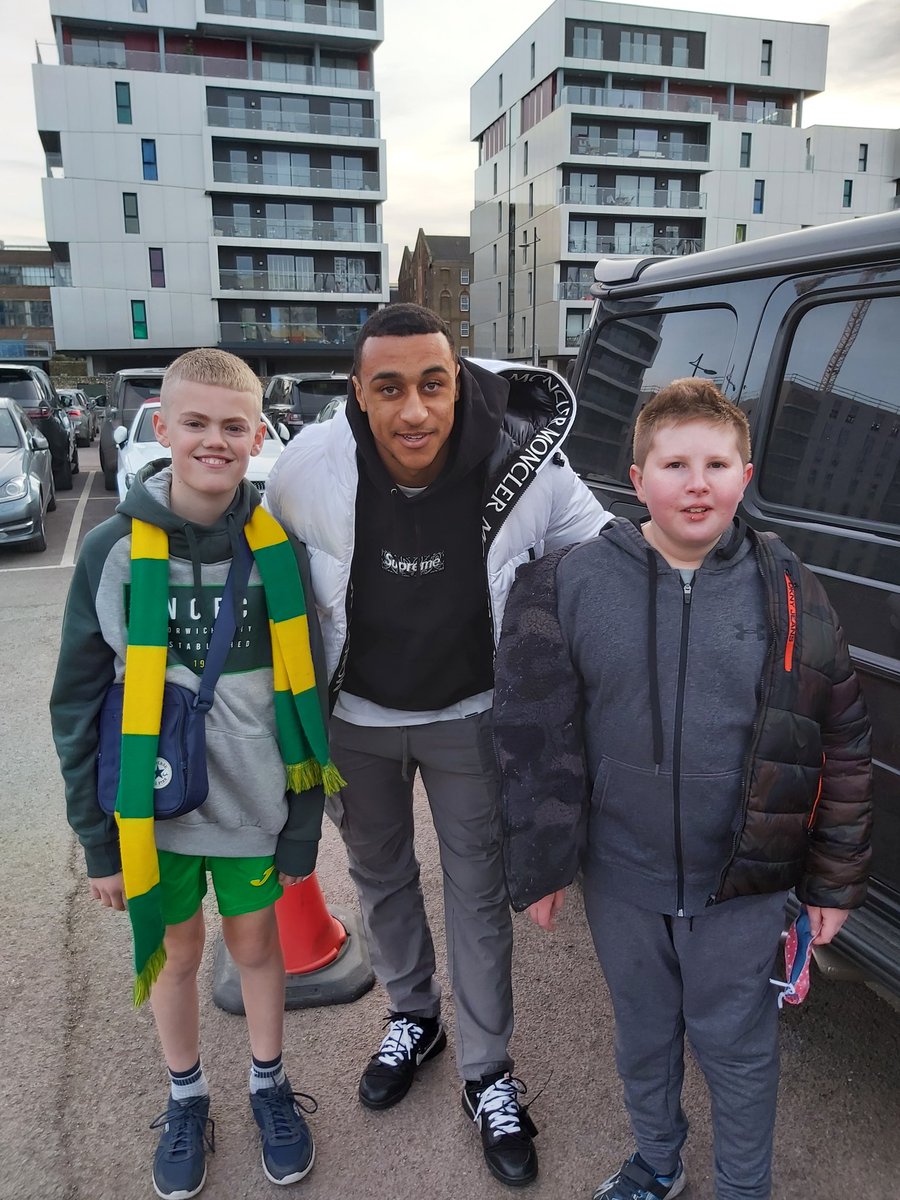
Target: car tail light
(38,413)
(74,412)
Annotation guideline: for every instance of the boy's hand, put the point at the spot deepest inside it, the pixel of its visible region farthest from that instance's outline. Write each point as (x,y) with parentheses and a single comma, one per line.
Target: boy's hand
(110,891)
(825,922)
(290,880)
(543,912)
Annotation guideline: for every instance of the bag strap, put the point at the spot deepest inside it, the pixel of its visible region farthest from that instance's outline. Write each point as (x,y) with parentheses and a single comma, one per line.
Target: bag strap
(225,626)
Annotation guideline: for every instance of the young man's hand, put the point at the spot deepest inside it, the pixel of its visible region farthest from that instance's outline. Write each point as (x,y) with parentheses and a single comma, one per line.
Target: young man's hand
(543,912)
(825,922)
(110,891)
(290,880)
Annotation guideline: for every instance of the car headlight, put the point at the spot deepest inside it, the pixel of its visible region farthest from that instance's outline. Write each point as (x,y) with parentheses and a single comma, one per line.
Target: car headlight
(15,488)
(129,478)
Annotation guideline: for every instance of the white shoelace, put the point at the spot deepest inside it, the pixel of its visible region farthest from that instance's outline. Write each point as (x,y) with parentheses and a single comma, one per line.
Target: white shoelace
(499,1106)
(399,1042)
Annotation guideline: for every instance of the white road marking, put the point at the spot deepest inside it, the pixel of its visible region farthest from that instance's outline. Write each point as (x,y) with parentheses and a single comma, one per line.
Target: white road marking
(68,557)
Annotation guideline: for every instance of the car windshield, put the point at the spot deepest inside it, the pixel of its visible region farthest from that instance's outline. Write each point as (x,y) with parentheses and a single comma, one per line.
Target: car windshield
(136,393)
(19,387)
(9,431)
(144,431)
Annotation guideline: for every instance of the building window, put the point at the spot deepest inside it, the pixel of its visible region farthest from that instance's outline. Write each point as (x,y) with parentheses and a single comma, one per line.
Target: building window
(532,60)
(759,195)
(863,164)
(531,199)
(464,302)
(525,158)
(500,217)
(123,103)
(464,329)
(524,332)
(765,61)
(848,193)
(746,140)
(495,179)
(530,286)
(138,5)
(148,158)
(500,90)
(130,211)
(680,52)
(494,337)
(464,277)
(740,233)
(157,267)
(139,320)
(499,297)
(464,352)
(494,257)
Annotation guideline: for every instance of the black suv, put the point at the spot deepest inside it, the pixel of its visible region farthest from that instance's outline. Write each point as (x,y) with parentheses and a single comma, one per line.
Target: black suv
(298,398)
(32,390)
(800,330)
(130,389)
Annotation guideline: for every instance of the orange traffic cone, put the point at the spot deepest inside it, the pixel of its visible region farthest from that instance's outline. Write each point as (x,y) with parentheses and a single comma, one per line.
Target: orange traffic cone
(326,956)
(310,936)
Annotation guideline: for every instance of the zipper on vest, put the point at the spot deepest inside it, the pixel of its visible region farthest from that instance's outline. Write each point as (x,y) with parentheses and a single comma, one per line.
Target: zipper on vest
(676,746)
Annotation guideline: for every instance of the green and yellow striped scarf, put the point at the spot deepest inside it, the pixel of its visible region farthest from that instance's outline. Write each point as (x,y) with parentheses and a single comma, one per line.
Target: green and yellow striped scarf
(302,737)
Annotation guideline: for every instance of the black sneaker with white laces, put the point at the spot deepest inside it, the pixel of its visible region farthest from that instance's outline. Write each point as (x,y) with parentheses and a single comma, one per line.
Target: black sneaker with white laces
(506,1128)
(408,1042)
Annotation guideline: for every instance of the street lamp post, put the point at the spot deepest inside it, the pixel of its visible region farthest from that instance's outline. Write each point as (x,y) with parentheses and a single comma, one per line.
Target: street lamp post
(534,242)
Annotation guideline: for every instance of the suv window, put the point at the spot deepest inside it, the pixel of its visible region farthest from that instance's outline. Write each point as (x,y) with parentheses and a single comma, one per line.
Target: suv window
(133,394)
(834,441)
(9,433)
(22,385)
(633,357)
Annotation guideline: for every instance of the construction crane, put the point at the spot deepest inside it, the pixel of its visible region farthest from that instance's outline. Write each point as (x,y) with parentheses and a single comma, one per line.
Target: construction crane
(845,341)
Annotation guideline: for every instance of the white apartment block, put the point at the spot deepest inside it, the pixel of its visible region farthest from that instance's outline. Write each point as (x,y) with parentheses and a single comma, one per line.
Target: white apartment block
(215,177)
(616,129)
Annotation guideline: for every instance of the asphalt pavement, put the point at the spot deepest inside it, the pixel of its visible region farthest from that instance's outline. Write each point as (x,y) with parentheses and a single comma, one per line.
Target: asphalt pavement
(83,1076)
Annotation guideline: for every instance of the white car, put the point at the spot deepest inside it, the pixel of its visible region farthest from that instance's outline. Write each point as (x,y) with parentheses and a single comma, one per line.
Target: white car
(138,446)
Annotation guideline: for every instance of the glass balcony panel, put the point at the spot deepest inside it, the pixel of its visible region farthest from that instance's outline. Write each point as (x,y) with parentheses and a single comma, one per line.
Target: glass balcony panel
(286,280)
(275,175)
(625,244)
(312,333)
(626,147)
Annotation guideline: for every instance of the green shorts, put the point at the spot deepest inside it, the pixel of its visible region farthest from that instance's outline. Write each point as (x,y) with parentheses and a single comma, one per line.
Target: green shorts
(242,885)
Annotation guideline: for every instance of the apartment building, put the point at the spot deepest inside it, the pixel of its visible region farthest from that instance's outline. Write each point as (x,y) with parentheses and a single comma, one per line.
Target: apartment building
(215,176)
(612,129)
(437,274)
(27,274)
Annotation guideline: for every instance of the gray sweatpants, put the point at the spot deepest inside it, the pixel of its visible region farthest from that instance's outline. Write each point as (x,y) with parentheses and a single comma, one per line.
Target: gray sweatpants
(707,976)
(456,761)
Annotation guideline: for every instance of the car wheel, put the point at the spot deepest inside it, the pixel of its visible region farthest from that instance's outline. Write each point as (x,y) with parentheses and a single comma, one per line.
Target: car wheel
(75,466)
(39,542)
(62,476)
(82,441)
(109,479)
(51,503)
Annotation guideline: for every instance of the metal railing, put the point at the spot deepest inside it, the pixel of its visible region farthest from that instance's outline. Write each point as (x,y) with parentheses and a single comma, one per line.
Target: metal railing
(622,148)
(673,102)
(285,281)
(284,177)
(294,231)
(659,198)
(308,334)
(291,122)
(611,244)
(343,16)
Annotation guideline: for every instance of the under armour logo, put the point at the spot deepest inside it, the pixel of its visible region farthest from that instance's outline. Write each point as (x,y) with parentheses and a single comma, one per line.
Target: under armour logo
(758,631)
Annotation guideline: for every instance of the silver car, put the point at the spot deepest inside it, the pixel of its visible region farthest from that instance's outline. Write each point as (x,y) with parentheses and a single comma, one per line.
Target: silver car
(81,413)
(26,480)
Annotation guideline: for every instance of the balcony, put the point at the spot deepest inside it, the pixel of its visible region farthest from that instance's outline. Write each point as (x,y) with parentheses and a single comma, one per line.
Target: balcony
(262,175)
(231,332)
(286,281)
(294,231)
(575,289)
(611,244)
(296,11)
(755,114)
(288,122)
(660,198)
(622,148)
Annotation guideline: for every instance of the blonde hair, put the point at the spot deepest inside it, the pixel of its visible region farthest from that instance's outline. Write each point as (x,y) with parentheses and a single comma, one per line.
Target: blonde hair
(688,400)
(215,368)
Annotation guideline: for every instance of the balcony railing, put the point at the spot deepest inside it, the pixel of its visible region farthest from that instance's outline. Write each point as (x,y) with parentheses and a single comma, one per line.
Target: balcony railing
(308,334)
(660,198)
(120,59)
(295,231)
(288,122)
(612,244)
(286,281)
(342,15)
(575,289)
(589,97)
(622,148)
(314,177)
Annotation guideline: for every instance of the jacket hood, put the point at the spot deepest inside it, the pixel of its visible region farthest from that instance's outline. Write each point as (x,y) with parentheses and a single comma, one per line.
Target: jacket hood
(148,500)
(480,410)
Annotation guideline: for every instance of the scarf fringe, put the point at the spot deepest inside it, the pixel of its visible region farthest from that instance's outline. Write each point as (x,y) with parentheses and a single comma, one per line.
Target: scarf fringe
(148,976)
(309,774)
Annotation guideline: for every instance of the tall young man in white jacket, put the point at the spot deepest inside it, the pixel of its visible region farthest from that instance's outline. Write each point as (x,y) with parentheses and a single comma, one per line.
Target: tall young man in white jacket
(417,504)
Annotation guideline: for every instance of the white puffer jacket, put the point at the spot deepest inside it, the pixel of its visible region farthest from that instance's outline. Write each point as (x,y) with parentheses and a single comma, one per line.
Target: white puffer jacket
(538,505)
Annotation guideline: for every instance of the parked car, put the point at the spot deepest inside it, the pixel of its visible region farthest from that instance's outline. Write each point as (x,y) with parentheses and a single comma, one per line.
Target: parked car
(138,446)
(298,397)
(26,479)
(800,330)
(331,409)
(130,389)
(82,414)
(31,388)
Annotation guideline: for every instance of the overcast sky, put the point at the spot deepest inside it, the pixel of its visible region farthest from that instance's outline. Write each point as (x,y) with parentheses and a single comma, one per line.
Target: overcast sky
(432,54)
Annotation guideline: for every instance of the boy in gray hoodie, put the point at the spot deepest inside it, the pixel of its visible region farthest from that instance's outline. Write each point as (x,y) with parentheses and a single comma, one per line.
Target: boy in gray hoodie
(162,563)
(676,712)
